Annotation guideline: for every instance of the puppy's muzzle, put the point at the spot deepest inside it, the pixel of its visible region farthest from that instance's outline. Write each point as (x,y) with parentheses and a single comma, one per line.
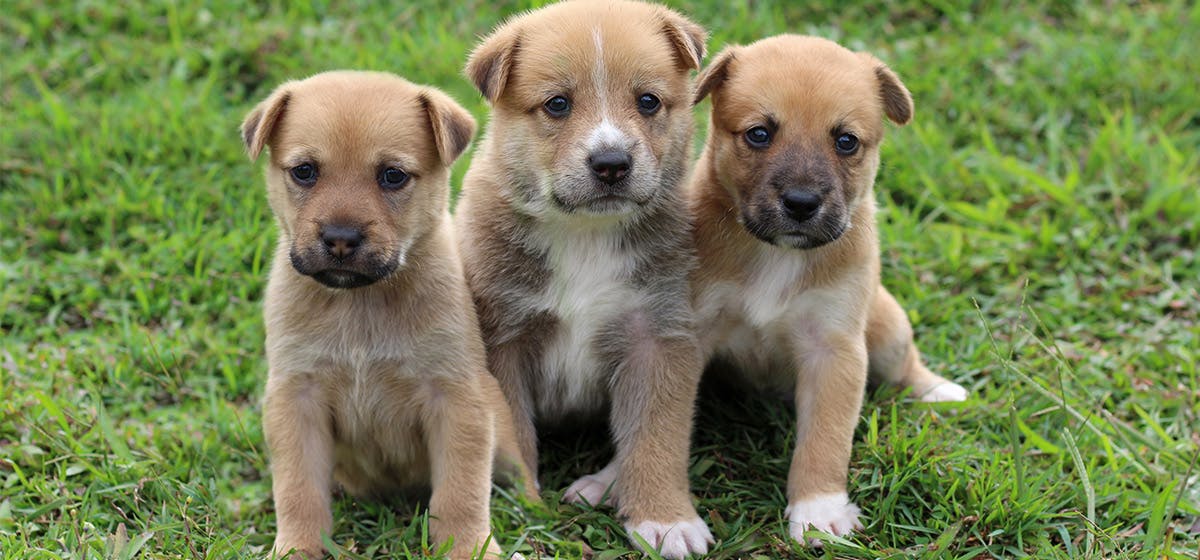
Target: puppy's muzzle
(340,257)
(610,166)
(341,241)
(800,205)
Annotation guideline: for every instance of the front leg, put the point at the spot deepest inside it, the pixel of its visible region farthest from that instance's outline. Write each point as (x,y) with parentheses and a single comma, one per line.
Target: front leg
(653,399)
(509,464)
(460,424)
(831,379)
(299,438)
(512,364)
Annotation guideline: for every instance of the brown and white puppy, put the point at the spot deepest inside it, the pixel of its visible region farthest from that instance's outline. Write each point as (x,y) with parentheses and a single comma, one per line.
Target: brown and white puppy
(577,247)
(378,376)
(788,289)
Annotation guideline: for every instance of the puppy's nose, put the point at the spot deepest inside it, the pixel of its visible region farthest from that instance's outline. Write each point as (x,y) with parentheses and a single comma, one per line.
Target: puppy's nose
(341,241)
(801,205)
(609,166)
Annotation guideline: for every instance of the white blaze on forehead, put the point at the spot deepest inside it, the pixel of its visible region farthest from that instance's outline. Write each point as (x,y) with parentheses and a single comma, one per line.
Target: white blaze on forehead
(599,73)
(605,134)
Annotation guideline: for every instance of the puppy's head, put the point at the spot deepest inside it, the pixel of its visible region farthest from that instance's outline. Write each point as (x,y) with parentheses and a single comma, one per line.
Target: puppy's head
(591,104)
(796,127)
(358,171)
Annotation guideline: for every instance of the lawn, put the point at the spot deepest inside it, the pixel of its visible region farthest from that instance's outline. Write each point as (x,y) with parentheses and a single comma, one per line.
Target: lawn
(1040,220)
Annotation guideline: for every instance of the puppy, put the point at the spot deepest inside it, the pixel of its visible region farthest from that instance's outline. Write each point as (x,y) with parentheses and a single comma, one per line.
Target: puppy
(788,289)
(378,376)
(576,243)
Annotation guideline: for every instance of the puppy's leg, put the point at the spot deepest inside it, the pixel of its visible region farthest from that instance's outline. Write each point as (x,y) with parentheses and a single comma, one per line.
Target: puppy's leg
(510,363)
(509,463)
(832,377)
(894,357)
(461,441)
(300,440)
(654,398)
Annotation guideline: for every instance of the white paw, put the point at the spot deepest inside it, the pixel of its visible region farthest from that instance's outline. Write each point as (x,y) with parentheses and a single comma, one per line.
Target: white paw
(831,513)
(948,391)
(595,488)
(673,540)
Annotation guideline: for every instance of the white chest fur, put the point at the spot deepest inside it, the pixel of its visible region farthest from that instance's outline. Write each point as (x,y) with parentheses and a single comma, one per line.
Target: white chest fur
(753,323)
(588,289)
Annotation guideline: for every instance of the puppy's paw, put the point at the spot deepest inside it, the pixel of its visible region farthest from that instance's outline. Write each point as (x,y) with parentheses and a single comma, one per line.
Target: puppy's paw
(948,391)
(831,513)
(595,489)
(494,553)
(673,540)
(298,551)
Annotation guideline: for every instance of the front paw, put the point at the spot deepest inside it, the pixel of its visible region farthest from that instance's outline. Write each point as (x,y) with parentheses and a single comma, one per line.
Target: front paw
(673,540)
(297,551)
(594,489)
(831,513)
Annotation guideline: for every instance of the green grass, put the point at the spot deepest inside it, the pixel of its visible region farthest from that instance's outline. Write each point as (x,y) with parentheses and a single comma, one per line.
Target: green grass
(1040,220)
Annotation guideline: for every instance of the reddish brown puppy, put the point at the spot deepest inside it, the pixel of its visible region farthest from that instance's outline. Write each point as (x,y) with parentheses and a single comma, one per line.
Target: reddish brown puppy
(788,289)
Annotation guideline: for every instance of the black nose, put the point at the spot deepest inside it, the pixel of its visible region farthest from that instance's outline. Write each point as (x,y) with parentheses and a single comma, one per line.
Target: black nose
(609,166)
(801,205)
(341,241)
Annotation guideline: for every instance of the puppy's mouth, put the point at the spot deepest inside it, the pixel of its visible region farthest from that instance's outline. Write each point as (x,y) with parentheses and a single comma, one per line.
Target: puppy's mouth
(603,204)
(343,275)
(343,279)
(795,239)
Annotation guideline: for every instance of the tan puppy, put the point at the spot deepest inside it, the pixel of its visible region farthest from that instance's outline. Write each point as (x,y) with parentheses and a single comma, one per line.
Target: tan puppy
(788,287)
(577,248)
(378,377)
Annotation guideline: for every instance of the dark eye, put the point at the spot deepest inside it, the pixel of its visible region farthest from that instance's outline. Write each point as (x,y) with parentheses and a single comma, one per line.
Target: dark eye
(558,106)
(648,104)
(392,178)
(846,144)
(305,174)
(758,137)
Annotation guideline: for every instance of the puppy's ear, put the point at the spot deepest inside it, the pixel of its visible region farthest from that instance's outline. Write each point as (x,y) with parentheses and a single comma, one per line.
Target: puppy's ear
(715,74)
(453,127)
(492,60)
(897,101)
(688,39)
(261,121)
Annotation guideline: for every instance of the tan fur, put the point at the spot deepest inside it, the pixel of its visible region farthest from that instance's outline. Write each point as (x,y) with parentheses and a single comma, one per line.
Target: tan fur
(791,304)
(381,387)
(582,293)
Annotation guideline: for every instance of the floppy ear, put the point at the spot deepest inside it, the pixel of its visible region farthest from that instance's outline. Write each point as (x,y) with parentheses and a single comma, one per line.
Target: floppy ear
(453,127)
(688,39)
(718,70)
(492,60)
(257,127)
(897,101)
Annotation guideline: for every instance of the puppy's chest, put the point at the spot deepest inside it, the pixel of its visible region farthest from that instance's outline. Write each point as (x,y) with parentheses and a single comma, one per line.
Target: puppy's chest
(588,291)
(773,292)
(380,445)
(753,323)
(351,332)
(372,373)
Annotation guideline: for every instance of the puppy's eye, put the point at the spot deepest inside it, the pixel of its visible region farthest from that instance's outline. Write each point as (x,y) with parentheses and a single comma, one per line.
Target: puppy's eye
(648,104)
(758,137)
(557,106)
(846,144)
(392,178)
(305,174)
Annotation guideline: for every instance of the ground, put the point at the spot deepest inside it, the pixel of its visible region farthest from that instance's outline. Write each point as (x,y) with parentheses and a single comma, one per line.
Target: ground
(1040,220)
